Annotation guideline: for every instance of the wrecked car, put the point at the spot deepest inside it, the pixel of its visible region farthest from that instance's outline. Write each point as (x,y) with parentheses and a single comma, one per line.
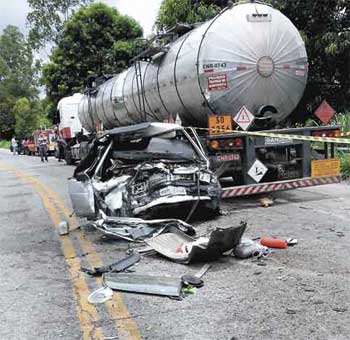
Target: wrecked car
(142,170)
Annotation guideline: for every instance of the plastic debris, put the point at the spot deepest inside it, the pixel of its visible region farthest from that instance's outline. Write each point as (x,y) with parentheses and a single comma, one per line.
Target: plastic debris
(63,228)
(266,202)
(100,295)
(180,247)
(274,242)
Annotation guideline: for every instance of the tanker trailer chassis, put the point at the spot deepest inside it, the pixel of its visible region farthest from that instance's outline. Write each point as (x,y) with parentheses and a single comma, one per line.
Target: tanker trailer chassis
(286,164)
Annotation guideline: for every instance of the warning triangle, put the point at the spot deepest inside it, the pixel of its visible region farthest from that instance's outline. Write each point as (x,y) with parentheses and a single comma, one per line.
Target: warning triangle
(243,117)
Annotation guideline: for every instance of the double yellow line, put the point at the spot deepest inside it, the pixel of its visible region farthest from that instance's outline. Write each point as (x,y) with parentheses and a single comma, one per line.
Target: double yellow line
(88,314)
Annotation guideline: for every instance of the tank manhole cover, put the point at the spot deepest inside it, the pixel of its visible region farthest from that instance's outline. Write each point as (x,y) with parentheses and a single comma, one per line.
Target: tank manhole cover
(265,66)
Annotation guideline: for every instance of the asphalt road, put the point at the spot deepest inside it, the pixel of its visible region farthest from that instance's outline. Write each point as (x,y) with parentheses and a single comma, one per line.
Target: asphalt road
(302,292)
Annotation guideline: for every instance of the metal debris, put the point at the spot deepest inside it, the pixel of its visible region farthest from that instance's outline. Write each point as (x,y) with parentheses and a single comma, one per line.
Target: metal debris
(116,267)
(145,284)
(136,229)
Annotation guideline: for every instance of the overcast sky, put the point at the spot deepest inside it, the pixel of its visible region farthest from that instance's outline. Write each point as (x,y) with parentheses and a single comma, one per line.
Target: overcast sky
(14,12)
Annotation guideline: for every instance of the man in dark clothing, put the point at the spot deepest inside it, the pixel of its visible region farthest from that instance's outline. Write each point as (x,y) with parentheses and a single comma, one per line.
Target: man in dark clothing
(42,141)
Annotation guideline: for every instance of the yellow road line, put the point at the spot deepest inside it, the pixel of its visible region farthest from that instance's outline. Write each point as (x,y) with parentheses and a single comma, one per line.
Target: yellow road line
(126,325)
(87,313)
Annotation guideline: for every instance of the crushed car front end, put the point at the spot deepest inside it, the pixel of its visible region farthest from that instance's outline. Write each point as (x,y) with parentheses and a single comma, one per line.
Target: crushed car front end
(144,170)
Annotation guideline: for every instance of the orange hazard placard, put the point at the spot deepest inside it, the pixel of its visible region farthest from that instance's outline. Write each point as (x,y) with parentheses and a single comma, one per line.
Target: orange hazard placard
(219,124)
(325,167)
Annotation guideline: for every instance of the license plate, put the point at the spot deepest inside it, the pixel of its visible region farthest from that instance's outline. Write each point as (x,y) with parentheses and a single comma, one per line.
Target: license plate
(172,191)
(226,157)
(204,177)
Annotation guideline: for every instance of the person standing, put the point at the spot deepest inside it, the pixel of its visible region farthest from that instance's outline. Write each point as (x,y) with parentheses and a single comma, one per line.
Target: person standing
(14,145)
(43,147)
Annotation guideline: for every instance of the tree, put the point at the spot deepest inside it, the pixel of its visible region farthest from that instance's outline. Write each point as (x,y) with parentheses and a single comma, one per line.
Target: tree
(325,27)
(95,40)
(26,118)
(17,76)
(184,11)
(47,17)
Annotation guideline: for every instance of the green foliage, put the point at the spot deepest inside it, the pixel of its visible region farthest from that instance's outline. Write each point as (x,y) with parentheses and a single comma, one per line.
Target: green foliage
(5,144)
(95,40)
(174,11)
(46,19)
(18,76)
(343,120)
(26,117)
(324,26)
(344,163)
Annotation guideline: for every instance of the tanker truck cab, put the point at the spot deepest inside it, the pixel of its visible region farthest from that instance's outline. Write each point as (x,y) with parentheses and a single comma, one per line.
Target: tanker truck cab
(71,135)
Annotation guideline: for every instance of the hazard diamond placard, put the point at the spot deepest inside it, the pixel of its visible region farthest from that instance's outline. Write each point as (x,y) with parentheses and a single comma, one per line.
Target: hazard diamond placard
(257,171)
(325,112)
(244,118)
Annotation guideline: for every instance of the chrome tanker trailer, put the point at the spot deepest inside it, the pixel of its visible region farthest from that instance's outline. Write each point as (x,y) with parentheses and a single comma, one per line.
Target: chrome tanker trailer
(246,69)
(250,54)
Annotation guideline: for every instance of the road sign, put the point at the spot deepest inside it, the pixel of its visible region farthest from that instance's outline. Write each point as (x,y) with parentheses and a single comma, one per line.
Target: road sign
(325,112)
(244,118)
(257,171)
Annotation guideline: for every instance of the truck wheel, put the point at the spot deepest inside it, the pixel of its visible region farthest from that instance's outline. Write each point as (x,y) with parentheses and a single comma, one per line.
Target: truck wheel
(68,157)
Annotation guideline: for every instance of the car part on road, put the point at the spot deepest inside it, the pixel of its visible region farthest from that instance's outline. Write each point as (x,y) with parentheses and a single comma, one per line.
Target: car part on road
(248,248)
(82,197)
(100,295)
(116,267)
(180,247)
(196,279)
(145,284)
(136,229)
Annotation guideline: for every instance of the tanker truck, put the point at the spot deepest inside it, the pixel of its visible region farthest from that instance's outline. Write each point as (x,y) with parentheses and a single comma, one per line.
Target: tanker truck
(244,70)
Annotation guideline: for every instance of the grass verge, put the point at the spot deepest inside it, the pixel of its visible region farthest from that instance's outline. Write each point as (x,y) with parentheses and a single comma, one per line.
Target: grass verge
(344,164)
(5,144)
